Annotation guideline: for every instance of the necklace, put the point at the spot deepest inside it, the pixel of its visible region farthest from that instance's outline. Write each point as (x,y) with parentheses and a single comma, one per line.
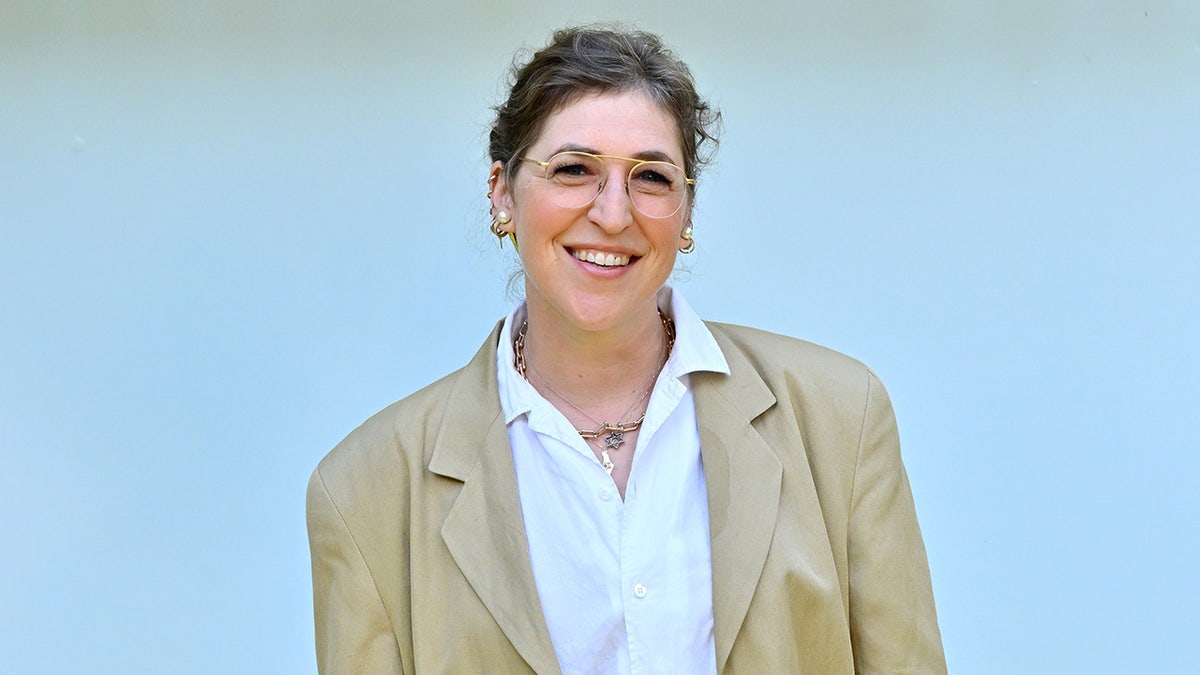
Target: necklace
(616,432)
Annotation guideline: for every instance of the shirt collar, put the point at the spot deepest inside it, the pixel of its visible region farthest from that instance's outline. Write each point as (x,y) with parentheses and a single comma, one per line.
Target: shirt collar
(695,350)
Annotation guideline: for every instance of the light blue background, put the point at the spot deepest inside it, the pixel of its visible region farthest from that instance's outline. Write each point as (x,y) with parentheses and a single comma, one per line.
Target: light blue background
(229,232)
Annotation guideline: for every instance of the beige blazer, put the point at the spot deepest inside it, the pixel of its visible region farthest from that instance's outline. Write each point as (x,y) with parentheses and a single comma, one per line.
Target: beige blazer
(420,563)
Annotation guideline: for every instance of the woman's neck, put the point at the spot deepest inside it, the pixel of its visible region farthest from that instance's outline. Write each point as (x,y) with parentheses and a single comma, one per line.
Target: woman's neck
(598,371)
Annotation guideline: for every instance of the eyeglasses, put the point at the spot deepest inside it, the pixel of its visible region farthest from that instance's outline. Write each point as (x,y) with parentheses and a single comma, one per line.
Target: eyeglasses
(655,188)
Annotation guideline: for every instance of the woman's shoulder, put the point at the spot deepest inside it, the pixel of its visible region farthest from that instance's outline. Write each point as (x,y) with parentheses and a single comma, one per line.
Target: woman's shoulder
(394,440)
(773,350)
(804,369)
(402,435)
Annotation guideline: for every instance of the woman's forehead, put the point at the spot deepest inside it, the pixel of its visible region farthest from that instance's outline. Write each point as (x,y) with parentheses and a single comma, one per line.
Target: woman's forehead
(626,123)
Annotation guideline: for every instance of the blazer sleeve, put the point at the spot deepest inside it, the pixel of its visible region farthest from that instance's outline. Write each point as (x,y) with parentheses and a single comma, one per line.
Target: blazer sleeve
(892,618)
(353,631)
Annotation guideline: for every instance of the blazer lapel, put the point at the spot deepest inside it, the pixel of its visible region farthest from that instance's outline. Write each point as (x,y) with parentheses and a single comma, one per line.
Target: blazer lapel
(484,529)
(744,478)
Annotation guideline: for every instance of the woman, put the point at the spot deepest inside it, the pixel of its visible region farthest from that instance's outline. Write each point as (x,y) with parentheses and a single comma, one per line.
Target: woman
(612,485)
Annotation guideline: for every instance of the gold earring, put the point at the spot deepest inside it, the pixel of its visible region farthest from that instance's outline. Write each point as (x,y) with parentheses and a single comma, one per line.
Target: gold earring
(499,219)
(502,218)
(686,235)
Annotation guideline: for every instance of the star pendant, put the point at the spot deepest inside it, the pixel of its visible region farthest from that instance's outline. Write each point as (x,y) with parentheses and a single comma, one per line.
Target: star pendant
(614,439)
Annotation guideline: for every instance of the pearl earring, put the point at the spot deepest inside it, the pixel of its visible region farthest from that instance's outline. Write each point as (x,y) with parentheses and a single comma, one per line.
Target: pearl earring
(686,235)
(502,218)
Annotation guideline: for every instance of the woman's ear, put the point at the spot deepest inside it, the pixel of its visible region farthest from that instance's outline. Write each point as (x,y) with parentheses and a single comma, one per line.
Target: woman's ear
(501,204)
(499,192)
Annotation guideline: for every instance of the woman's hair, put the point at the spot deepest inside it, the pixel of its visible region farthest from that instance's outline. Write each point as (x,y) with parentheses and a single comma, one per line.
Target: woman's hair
(593,60)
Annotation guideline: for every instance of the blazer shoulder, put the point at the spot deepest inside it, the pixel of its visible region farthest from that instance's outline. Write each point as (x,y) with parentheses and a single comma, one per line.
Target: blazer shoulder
(392,442)
(398,442)
(774,355)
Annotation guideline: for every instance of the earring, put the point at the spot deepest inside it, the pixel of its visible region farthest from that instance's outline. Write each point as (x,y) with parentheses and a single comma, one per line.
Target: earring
(502,218)
(686,235)
(498,220)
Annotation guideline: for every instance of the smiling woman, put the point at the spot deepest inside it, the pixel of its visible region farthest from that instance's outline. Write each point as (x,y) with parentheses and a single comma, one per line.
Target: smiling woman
(570,297)
(613,485)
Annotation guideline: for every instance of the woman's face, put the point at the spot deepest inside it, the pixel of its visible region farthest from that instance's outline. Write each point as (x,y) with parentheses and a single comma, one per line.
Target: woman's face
(560,284)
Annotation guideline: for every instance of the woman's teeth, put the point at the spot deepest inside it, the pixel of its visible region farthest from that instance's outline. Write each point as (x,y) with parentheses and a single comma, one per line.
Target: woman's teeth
(603,259)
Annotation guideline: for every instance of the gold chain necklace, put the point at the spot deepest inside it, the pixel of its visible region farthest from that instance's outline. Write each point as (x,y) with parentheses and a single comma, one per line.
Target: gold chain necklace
(616,432)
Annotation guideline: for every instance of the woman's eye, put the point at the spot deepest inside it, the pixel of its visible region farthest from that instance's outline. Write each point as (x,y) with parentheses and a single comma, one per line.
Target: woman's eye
(571,170)
(651,176)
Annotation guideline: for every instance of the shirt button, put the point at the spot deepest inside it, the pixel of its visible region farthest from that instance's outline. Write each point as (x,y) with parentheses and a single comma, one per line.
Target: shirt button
(639,590)
(605,494)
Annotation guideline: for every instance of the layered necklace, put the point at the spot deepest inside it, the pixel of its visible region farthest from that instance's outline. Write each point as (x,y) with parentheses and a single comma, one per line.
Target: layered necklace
(616,431)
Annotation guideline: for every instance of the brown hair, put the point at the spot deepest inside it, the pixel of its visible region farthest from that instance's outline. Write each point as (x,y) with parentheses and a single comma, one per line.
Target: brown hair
(591,60)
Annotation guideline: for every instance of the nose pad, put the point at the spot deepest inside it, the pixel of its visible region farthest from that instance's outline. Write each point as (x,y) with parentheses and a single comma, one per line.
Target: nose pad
(611,215)
(622,189)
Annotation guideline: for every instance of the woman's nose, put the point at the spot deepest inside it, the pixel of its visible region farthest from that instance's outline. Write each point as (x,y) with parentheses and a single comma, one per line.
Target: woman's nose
(612,208)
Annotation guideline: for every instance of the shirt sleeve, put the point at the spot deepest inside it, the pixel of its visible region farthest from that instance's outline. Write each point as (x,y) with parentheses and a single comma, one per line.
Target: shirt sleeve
(353,631)
(893,622)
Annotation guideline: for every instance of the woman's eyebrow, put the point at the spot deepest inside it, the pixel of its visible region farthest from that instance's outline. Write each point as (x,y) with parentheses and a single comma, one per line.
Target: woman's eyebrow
(645,155)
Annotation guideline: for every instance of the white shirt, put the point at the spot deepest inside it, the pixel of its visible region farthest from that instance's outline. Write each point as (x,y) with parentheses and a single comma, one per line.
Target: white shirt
(625,586)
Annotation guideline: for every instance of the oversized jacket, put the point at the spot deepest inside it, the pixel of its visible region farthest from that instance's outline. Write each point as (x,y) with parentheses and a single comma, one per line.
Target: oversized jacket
(420,562)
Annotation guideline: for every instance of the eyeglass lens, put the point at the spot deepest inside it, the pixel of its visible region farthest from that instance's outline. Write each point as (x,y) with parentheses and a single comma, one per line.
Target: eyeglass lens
(655,188)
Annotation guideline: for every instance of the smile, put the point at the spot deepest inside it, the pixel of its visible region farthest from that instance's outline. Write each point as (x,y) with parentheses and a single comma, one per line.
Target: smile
(602,259)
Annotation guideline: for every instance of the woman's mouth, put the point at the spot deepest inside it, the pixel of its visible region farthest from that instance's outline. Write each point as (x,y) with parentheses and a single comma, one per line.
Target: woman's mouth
(600,258)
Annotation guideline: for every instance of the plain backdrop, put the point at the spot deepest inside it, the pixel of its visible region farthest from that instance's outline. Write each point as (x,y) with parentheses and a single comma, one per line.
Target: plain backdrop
(231,231)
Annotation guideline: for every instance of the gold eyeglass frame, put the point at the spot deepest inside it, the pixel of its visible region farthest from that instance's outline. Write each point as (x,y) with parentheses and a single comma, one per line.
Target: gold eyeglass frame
(690,182)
